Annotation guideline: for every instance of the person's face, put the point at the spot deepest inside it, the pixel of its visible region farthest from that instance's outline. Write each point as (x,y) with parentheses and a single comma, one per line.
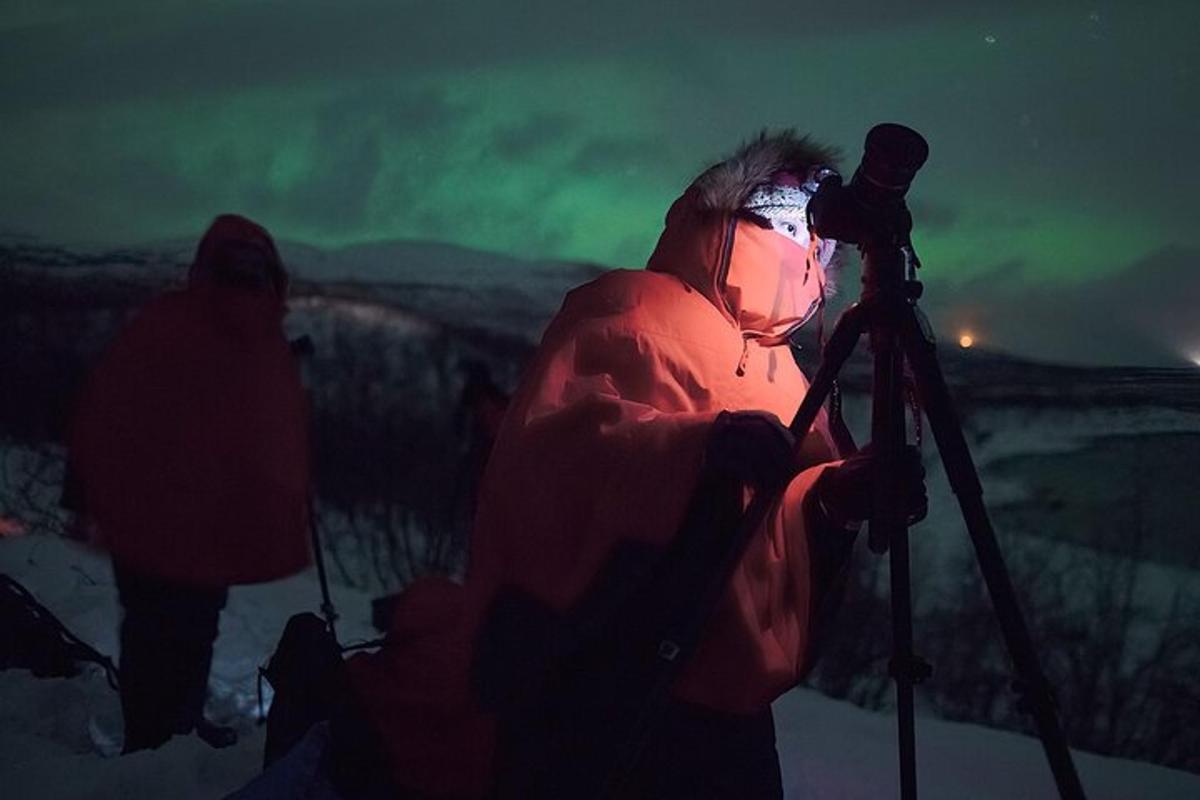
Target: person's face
(776,276)
(785,208)
(795,229)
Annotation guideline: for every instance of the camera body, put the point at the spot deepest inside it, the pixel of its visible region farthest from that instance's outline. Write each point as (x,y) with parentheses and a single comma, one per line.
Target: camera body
(872,204)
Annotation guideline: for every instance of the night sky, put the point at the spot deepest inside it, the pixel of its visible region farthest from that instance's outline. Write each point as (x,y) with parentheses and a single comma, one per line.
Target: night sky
(1056,216)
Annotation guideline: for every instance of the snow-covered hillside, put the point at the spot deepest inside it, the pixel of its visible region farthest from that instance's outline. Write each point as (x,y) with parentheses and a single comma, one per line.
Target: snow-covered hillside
(58,736)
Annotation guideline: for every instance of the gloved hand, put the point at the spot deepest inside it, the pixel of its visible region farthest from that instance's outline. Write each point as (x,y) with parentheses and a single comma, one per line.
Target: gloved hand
(846,493)
(752,446)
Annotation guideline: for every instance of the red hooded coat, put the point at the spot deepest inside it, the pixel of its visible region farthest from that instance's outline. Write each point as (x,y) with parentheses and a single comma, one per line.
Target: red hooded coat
(602,444)
(191,440)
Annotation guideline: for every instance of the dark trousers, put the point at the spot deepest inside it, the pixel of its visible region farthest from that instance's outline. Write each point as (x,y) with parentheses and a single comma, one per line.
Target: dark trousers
(697,753)
(693,753)
(167,635)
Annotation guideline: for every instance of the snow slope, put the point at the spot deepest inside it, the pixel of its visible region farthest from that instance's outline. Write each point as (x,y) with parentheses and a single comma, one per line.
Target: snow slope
(57,736)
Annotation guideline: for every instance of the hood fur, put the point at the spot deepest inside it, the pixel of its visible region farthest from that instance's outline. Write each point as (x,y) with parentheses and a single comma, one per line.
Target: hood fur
(724,187)
(698,237)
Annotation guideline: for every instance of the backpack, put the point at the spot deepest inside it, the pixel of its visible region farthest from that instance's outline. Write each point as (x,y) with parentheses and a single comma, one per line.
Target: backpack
(305,673)
(34,639)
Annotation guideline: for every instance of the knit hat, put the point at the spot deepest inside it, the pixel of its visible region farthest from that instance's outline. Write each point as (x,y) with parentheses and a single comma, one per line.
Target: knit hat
(782,204)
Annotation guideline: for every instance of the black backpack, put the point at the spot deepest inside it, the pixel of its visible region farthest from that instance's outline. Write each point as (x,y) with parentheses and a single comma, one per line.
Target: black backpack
(305,673)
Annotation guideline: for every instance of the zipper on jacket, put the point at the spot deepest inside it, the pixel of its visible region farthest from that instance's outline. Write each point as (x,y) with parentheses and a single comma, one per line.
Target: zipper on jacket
(722,277)
(723,265)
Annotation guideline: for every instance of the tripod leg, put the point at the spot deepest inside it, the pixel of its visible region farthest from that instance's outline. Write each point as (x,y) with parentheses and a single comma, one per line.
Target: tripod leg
(845,336)
(964,480)
(888,530)
(328,612)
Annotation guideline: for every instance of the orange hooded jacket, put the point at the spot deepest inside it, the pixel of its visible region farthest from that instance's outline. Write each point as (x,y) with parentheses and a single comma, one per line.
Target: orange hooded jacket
(602,444)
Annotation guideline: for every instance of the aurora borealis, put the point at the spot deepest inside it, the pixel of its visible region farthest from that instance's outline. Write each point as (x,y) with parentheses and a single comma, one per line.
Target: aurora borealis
(1058,203)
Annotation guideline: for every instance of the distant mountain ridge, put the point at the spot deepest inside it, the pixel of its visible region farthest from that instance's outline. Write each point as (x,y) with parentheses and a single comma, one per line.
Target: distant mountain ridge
(374,262)
(515,295)
(473,291)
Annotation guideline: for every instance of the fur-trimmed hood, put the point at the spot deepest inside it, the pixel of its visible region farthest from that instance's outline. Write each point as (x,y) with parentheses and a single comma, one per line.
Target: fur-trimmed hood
(705,233)
(724,187)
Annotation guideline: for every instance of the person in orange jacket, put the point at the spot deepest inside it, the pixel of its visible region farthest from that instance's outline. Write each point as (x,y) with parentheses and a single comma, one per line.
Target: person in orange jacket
(653,408)
(189,461)
(649,386)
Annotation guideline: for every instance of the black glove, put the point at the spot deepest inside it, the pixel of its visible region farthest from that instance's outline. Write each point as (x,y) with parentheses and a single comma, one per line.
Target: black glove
(752,446)
(846,493)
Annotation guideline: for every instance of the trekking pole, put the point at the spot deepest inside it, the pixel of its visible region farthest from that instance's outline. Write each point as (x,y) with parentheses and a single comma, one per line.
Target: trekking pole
(328,612)
(302,348)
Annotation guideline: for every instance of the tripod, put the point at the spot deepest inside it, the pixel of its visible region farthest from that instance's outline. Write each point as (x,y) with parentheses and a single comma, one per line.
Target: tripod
(899,333)
(888,314)
(871,213)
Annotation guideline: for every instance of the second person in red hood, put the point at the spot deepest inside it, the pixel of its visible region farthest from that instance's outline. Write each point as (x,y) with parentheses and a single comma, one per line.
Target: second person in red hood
(189,454)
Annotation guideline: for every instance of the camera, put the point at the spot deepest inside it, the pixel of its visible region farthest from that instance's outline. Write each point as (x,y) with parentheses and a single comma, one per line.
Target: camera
(872,204)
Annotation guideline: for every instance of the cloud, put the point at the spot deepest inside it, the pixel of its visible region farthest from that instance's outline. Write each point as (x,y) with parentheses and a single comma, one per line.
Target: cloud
(1144,314)
(71,53)
(932,215)
(346,160)
(606,155)
(533,136)
(338,187)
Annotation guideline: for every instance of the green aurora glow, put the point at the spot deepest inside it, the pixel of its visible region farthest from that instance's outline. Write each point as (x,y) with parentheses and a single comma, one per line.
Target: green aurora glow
(1054,133)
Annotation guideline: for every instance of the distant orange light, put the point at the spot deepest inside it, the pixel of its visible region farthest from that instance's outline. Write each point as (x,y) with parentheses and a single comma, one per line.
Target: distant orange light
(966,340)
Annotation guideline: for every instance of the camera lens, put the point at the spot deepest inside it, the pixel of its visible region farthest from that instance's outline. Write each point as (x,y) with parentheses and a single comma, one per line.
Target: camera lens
(873,201)
(891,157)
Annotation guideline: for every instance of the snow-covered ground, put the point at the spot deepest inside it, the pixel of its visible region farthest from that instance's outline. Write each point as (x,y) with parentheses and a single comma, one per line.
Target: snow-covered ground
(58,736)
